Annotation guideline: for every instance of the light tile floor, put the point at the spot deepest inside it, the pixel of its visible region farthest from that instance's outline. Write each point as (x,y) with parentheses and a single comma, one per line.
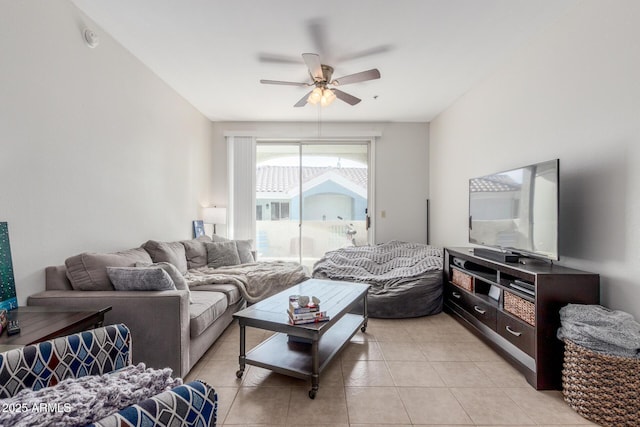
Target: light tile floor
(427,371)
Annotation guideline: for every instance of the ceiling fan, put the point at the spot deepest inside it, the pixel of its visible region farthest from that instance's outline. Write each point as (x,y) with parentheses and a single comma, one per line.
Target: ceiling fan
(324,91)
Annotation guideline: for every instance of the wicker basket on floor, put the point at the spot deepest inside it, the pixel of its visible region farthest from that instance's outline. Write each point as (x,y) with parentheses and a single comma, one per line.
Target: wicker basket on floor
(602,388)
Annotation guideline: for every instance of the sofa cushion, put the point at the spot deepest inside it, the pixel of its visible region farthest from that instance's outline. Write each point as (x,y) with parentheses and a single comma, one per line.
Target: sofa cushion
(55,278)
(140,279)
(220,254)
(196,251)
(231,291)
(171,252)
(206,308)
(217,238)
(88,271)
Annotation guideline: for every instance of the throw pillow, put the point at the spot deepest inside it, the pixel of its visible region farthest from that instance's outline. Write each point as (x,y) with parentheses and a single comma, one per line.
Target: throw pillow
(87,271)
(244,251)
(196,252)
(171,252)
(216,238)
(178,279)
(140,279)
(220,254)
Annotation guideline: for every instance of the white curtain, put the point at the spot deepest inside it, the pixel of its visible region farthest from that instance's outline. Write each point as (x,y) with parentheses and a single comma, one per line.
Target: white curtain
(242,187)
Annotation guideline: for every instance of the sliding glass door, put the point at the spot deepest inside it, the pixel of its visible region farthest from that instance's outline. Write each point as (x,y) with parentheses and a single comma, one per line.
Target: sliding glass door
(311,197)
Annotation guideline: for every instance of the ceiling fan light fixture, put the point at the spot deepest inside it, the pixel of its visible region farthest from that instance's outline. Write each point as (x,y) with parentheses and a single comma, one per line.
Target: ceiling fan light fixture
(327,97)
(315,96)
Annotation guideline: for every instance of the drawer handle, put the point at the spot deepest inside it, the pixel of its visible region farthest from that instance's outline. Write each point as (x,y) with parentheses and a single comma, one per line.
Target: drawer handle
(511,331)
(456,295)
(479,310)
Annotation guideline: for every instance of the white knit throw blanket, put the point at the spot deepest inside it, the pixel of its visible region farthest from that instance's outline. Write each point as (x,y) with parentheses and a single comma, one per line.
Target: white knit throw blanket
(256,281)
(81,401)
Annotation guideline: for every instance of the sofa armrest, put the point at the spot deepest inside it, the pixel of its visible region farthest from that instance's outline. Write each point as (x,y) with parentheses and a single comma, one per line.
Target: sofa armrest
(191,404)
(36,366)
(158,321)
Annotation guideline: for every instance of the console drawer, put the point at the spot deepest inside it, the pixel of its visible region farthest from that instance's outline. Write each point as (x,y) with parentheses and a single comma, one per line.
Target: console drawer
(483,311)
(454,294)
(517,332)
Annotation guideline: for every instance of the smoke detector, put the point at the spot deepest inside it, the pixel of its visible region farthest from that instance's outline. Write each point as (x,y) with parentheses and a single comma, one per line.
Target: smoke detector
(91,38)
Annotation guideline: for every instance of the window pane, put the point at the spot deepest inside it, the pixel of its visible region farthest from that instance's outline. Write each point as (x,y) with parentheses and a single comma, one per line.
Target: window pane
(277,234)
(325,183)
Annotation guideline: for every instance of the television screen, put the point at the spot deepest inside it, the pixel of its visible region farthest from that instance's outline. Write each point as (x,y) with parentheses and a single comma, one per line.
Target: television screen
(517,210)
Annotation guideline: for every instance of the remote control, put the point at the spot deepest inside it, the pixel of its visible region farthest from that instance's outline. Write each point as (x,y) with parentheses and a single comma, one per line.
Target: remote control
(13,327)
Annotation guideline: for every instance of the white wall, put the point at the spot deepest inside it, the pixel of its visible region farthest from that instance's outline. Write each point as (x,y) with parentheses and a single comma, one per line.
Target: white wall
(98,154)
(401,168)
(574,94)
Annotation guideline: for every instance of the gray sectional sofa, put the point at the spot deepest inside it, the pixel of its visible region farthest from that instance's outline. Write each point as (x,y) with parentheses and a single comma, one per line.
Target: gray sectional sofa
(170,328)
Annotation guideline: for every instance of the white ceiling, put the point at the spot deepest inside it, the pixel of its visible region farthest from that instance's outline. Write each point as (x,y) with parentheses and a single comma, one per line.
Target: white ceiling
(429,52)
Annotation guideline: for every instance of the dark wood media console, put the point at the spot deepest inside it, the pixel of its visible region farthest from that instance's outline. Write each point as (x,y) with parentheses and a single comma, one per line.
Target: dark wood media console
(521,318)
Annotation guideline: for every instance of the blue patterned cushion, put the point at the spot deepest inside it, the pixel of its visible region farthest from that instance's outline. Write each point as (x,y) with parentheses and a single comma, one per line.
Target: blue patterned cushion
(47,363)
(193,404)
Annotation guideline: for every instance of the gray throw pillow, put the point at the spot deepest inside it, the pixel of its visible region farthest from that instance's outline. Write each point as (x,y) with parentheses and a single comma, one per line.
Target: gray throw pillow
(140,279)
(220,254)
(244,251)
(196,251)
(178,279)
(171,252)
(216,238)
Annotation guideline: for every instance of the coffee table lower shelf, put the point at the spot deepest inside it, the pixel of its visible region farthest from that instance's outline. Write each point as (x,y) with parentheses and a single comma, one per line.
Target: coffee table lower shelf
(295,359)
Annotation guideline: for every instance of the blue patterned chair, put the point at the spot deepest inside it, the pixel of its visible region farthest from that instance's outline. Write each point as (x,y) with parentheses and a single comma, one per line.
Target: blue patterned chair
(97,352)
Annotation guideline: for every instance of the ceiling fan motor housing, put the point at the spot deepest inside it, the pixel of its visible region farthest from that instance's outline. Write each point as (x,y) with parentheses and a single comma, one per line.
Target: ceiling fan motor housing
(327,72)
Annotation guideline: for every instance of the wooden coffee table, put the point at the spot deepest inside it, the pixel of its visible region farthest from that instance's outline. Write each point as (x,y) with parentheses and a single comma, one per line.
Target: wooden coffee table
(302,360)
(40,323)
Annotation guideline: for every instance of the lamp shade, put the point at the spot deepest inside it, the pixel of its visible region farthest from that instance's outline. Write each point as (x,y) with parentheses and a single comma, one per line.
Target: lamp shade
(214,215)
(327,97)
(315,96)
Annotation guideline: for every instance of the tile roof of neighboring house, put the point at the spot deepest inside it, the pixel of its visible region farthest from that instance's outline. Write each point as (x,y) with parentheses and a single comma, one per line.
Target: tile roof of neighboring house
(495,183)
(281,179)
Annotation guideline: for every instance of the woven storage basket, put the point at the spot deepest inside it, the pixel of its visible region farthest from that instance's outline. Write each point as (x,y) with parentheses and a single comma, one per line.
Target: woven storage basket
(602,388)
(519,307)
(462,280)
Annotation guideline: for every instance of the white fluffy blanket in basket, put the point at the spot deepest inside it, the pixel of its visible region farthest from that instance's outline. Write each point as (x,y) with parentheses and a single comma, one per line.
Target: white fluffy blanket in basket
(598,328)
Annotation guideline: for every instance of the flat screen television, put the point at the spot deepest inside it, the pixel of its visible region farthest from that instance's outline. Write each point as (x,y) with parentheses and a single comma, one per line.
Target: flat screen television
(517,210)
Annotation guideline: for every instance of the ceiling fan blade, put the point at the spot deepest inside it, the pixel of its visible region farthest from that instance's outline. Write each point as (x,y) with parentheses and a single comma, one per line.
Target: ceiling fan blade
(278,82)
(303,100)
(357,77)
(278,59)
(349,99)
(366,52)
(317,30)
(313,64)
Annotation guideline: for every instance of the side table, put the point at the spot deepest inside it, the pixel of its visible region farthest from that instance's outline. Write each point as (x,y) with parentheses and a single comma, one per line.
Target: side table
(45,323)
